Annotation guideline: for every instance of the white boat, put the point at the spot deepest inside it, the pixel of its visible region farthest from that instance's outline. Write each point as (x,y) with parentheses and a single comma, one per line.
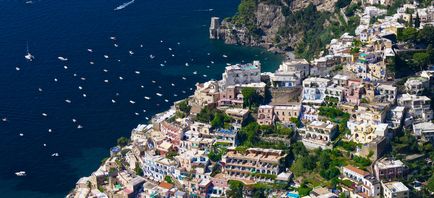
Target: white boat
(68,101)
(29,56)
(170,49)
(124,5)
(116,45)
(186,64)
(121,78)
(40,89)
(17,68)
(55,80)
(20,173)
(147,98)
(4,119)
(79,127)
(55,155)
(207,66)
(136,113)
(195,72)
(165,100)
(91,62)
(106,81)
(173,85)
(141,45)
(44,114)
(158,94)
(105,70)
(65,67)
(151,56)
(132,102)
(212,62)
(106,56)
(224,56)
(131,52)
(62,58)
(80,87)
(84,95)
(162,65)
(173,55)
(74,120)
(184,78)
(90,50)
(154,81)
(141,86)
(175,95)
(83,78)
(204,75)
(137,72)
(113,101)
(113,38)
(50,130)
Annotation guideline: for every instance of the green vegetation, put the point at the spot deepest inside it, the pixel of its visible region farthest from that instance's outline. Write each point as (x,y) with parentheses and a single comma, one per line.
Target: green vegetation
(171,154)
(251,98)
(168,179)
(138,170)
(123,141)
(235,189)
(184,109)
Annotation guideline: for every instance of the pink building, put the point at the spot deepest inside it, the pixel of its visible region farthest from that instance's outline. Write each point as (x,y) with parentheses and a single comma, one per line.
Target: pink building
(174,133)
(389,169)
(265,115)
(352,91)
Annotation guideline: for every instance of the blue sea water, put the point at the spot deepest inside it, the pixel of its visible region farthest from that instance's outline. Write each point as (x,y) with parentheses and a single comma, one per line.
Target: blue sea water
(55,28)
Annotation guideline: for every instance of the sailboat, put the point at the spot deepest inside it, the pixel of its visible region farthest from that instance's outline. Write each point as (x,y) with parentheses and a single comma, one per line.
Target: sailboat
(29,56)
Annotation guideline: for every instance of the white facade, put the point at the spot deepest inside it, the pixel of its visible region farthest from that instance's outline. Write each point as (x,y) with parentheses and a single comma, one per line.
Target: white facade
(314,90)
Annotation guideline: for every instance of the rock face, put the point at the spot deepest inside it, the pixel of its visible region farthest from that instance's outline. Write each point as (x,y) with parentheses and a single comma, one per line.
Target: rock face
(270,16)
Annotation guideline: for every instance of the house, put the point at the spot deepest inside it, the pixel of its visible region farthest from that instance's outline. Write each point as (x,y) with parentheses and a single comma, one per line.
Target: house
(314,90)
(318,134)
(389,169)
(284,113)
(418,107)
(157,167)
(387,93)
(365,184)
(252,164)
(416,85)
(352,91)
(265,115)
(290,73)
(227,136)
(395,117)
(238,114)
(366,132)
(424,131)
(241,74)
(206,94)
(395,189)
(173,132)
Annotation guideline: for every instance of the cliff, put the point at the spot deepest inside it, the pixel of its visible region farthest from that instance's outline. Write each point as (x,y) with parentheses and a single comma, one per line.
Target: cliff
(281,25)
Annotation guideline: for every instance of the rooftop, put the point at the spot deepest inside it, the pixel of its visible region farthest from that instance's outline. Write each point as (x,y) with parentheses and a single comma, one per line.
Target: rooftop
(396,187)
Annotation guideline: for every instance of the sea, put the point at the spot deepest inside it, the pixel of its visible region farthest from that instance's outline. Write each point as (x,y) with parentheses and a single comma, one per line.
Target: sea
(76,109)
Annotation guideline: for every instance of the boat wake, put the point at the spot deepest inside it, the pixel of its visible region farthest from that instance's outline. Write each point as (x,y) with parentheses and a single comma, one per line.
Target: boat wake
(124,5)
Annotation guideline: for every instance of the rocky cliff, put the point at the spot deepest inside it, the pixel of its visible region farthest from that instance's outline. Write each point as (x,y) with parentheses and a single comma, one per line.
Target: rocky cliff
(277,25)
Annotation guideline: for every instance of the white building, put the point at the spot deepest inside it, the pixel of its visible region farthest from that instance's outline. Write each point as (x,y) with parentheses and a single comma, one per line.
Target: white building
(418,107)
(314,90)
(241,74)
(395,190)
(416,86)
(424,131)
(387,92)
(157,167)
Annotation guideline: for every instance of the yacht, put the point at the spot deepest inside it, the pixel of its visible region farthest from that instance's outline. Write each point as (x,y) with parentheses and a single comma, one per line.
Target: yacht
(20,173)
(29,56)
(132,102)
(62,58)
(158,94)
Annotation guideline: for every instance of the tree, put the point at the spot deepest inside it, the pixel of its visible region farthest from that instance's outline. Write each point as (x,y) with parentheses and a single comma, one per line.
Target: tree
(417,21)
(184,107)
(430,184)
(250,97)
(122,141)
(408,34)
(205,115)
(421,59)
(138,170)
(426,34)
(235,189)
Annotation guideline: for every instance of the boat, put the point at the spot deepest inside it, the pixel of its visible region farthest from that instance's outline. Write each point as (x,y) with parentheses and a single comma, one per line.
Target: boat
(55,155)
(17,68)
(136,113)
(165,100)
(80,87)
(40,89)
(105,70)
(20,173)
(68,101)
(62,58)
(141,86)
(74,120)
(132,102)
(184,78)
(170,49)
(116,45)
(4,119)
(106,81)
(113,38)
(84,95)
(173,85)
(151,56)
(55,80)
(29,56)
(50,130)
(121,78)
(212,62)
(195,72)
(90,50)
(91,62)
(158,94)
(154,81)
(131,52)
(137,72)
(175,95)
(162,65)
(147,98)
(44,114)
(106,56)
(124,5)
(186,64)
(79,127)
(224,56)
(113,101)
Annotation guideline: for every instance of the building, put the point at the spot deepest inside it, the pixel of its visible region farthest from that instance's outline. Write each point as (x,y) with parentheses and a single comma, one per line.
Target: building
(157,167)
(252,164)
(241,74)
(228,136)
(238,114)
(395,190)
(387,93)
(265,115)
(173,132)
(424,131)
(318,134)
(290,73)
(206,94)
(418,107)
(314,90)
(365,184)
(389,169)
(284,113)
(365,132)
(395,117)
(352,91)
(416,85)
